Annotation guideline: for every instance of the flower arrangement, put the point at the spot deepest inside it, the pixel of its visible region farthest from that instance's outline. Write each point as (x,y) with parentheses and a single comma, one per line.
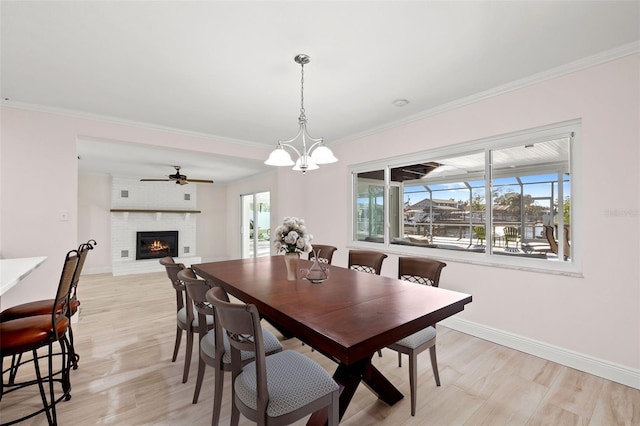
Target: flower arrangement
(292,236)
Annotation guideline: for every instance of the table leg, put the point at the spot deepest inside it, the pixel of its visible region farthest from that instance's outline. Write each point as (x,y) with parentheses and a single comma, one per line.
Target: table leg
(349,377)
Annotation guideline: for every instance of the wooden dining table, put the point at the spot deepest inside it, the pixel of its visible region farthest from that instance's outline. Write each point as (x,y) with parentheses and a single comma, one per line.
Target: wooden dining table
(348,317)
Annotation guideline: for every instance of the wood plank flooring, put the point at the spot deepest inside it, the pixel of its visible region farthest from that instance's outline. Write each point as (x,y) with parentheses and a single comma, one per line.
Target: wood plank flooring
(125,334)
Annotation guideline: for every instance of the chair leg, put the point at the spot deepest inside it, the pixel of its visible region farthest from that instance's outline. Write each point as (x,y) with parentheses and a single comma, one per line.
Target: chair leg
(334,410)
(235,413)
(399,359)
(72,351)
(177,345)
(67,365)
(187,357)
(217,394)
(413,372)
(201,367)
(380,353)
(15,363)
(51,417)
(434,364)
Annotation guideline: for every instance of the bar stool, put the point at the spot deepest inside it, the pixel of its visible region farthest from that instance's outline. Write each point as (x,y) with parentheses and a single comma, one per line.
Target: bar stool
(28,334)
(43,307)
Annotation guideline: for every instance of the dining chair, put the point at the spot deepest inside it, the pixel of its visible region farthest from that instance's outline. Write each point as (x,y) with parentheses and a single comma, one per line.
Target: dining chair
(278,389)
(210,340)
(366,261)
(185,321)
(30,333)
(323,252)
(43,307)
(426,272)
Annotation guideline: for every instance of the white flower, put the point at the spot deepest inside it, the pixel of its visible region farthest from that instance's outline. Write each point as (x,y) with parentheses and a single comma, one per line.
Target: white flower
(292,236)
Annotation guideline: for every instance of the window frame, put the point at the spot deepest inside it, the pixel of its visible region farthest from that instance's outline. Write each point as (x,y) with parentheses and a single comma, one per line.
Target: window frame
(569,129)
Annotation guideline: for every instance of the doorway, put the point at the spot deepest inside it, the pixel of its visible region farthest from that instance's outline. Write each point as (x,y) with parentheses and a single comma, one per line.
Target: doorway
(255,232)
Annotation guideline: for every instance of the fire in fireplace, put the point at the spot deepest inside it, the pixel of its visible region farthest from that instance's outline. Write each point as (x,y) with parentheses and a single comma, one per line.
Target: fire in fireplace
(156,244)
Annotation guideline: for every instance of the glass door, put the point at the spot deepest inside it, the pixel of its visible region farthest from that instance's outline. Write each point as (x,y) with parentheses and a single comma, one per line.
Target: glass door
(255,232)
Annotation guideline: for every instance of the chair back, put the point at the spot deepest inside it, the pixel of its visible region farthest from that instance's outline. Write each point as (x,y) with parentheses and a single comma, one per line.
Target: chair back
(366,261)
(242,325)
(172,270)
(60,308)
(197,291)
(420,270)
(83,250)
(510,234)
(323,252)
(549,233)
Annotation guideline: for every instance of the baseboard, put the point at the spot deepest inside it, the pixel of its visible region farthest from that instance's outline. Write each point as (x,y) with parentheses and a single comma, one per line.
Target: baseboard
(598,367)
(94,271)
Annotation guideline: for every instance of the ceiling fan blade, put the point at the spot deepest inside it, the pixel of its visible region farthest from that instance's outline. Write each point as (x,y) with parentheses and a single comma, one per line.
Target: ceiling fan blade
(155,180)
(200,180)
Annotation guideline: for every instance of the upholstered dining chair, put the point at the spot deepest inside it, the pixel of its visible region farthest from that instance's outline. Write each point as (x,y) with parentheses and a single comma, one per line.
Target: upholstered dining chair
(185,321)
(324,253)
(426,272)
(278,389)
(210,340)
(43,307)
(30,333)
(366,261)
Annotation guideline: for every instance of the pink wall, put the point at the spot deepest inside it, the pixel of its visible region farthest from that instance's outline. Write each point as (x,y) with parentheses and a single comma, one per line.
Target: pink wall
(598,314)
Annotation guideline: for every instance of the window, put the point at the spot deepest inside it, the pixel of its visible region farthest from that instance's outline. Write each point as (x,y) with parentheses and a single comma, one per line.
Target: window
(506,200)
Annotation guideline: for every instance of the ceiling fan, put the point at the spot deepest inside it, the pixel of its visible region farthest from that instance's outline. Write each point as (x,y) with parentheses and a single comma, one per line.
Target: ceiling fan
(178,178)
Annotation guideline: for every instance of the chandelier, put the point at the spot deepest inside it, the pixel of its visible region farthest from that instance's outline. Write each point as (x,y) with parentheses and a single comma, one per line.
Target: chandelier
(309,157)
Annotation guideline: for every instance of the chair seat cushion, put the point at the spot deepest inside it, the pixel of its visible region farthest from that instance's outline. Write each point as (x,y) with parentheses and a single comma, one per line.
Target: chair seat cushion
(23,334)
(208,346)
(37,307)
(182,319)
(293,382)
(418,338)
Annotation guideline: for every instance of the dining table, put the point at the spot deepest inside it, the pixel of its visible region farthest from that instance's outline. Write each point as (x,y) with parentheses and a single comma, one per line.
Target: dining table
(348,317)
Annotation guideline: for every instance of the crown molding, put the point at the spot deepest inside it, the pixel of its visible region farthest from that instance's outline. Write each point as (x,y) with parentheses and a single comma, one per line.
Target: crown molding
(132,123)
(581,64)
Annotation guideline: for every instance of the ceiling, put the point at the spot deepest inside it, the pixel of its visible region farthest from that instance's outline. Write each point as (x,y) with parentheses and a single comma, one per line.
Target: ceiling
(227,68)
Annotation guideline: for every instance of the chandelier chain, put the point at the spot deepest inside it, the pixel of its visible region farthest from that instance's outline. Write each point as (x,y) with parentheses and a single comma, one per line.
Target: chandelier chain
(302,115)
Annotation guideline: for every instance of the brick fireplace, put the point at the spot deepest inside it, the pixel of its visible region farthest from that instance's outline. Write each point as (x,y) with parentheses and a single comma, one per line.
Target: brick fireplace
(140,208)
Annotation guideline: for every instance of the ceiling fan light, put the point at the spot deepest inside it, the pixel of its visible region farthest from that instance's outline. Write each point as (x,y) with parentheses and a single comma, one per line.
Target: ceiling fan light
(311,165)
(323,155)
(279,157)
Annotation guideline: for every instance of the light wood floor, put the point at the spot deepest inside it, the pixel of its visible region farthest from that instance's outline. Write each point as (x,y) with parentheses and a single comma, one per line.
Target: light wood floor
(125,334)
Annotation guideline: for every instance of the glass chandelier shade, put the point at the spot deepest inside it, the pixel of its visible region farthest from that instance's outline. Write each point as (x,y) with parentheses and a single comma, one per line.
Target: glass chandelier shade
(308,157)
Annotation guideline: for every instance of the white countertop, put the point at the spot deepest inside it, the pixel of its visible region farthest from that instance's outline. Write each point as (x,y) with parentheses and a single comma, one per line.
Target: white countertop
(13,270)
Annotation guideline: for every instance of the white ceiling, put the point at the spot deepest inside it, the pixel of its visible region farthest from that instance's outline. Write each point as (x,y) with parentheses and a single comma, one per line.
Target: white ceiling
(227,69)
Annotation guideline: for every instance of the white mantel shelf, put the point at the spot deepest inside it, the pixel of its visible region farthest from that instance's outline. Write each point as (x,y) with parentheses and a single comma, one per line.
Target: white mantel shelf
(153,211)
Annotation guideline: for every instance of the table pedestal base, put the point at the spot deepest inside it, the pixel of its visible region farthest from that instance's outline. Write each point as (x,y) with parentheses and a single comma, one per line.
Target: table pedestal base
(349,377)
